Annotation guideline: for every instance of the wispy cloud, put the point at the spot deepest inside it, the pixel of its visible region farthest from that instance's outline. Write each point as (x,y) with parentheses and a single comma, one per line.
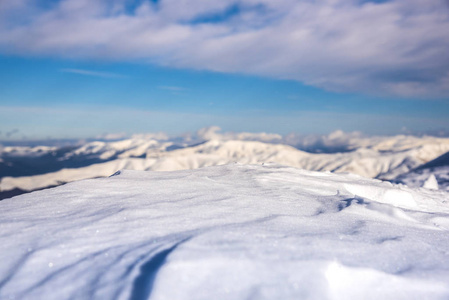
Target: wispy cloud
(92,73)
(396,47)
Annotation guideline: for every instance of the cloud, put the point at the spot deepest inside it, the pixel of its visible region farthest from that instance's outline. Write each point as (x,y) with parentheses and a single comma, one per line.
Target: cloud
(111,136)
(92,73)
(213,132)
(396,47)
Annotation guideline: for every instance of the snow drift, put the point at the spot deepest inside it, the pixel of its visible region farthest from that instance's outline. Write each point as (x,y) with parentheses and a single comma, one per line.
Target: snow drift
(226,232)
(434,174)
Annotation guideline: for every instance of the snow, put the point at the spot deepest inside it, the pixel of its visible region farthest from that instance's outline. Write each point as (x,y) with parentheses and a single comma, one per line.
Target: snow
(226,232)
(431,183)
(123,148)
(432,175)
(153,156)
(20,151)
(419,177)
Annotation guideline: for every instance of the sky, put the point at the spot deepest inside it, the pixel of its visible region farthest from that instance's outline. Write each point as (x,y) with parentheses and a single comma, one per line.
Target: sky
(82,68)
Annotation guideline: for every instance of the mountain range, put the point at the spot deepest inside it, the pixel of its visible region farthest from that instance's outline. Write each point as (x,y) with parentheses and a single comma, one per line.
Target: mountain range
(403,159)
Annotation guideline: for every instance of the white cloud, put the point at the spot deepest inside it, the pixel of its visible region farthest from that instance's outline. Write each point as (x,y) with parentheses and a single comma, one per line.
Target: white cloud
(92,73)
(391,48)
(213,132)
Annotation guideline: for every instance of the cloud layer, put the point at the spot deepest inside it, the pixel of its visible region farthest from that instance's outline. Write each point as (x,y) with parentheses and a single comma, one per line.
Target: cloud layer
(390,48)
(92,73)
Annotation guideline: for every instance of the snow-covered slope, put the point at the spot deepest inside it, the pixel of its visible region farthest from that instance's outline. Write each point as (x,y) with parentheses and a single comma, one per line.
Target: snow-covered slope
(339,141)
(26,151)
(29,161)
(366,162)
(434,174)
(226,232)
(135,147)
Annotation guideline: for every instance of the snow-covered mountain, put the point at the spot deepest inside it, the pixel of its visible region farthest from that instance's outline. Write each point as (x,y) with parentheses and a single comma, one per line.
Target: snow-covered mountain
(23,161)
(434,174)
(226,232)
(26,169)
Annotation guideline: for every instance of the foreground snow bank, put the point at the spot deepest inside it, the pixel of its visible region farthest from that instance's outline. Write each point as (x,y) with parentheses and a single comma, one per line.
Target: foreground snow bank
(226,232)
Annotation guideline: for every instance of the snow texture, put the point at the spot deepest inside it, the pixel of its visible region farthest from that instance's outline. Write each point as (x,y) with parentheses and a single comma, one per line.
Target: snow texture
(433,175)
(431,183)
(226,232)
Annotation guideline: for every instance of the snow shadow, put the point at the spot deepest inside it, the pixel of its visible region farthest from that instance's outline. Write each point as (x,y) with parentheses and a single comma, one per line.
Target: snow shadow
(143,284)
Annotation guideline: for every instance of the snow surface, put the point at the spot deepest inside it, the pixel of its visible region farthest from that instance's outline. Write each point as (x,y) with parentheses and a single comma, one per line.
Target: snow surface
(433,175)
(431,183)
(418,178)
(226,232)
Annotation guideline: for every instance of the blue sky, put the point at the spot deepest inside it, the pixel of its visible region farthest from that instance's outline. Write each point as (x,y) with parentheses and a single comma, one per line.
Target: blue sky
(75,69)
